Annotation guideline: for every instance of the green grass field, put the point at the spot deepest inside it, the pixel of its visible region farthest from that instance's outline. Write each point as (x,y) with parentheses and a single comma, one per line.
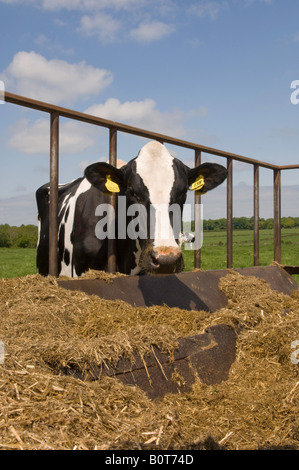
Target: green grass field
(15,262)
(213,252)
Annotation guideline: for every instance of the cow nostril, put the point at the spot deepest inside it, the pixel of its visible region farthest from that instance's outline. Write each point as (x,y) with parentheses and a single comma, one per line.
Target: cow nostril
(155,257)
(165,258)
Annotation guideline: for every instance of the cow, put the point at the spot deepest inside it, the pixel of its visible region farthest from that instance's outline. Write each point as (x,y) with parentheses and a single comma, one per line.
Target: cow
(154,181)
(186,237)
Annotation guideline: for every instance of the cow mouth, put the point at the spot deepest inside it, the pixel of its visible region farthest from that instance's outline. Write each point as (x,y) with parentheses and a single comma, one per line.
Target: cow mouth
(167,264)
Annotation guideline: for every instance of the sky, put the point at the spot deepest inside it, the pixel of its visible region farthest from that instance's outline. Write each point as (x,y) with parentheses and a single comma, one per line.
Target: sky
(221,73)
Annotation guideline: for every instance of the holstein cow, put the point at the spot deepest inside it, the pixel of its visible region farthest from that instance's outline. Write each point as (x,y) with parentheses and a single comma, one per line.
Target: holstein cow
(154,181)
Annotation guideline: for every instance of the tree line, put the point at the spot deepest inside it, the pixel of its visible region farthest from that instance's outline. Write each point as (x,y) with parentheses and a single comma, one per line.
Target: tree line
(25,236)
(247,223)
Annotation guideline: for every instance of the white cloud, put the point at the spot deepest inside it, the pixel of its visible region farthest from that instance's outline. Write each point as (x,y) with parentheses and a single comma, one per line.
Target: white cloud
(82,165)
(249,2)
(89,4)
(129,111)
(53,81)
(43,41)
(12,2)
(152,31)
(101,25)
(34,138)
(145,114)
(207,8)
(96,19)
(84,5)
(18,210)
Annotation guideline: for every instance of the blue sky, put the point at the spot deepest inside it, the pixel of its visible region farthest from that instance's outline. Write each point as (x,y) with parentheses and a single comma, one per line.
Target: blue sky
(215,72)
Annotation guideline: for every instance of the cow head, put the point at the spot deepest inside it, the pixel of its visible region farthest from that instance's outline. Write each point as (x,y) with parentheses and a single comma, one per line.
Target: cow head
(157,184)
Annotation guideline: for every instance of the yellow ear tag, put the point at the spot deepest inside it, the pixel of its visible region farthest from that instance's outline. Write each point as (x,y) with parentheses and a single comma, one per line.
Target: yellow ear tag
(111,186)
(198,183)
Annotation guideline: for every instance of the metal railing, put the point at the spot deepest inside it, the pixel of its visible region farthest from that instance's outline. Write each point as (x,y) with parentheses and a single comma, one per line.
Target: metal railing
(55,112)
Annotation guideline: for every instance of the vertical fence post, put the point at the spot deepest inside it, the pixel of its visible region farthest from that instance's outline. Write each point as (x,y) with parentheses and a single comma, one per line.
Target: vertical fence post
(53,206)
(256,217)
(112,160)
(197,200)
(277,216)
(229,253)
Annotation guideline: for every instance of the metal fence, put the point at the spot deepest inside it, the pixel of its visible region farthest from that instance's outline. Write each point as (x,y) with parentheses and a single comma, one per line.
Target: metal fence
(114,127)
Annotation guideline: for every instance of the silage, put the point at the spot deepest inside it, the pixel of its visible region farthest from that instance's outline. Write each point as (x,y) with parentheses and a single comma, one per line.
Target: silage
(45,328)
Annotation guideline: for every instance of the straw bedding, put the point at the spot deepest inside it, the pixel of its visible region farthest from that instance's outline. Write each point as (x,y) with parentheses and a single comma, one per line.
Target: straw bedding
(44,327)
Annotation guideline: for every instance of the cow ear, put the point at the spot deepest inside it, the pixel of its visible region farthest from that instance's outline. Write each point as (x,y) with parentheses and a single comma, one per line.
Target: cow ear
(105,177)
(205,177)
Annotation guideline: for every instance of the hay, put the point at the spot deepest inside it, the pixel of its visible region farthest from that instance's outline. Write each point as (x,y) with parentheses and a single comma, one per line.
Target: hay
(95,274)
(44,327)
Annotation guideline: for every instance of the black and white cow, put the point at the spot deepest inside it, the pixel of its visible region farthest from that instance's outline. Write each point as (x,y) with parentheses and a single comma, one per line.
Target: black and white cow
(155,181)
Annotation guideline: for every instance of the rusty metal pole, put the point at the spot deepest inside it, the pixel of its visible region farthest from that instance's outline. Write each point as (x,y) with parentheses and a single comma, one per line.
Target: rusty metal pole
(112,160)
(53,206)
(277,216)
(229,253)
(197,200)
(256,217)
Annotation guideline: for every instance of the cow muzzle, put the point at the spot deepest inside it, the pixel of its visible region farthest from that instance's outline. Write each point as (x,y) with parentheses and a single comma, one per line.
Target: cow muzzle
(165,260)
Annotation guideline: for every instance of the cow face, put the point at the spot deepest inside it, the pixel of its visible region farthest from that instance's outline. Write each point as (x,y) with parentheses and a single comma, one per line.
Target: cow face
(156,185)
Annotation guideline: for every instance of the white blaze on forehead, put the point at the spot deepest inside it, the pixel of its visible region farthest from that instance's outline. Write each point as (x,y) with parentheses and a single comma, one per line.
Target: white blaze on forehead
(154,165)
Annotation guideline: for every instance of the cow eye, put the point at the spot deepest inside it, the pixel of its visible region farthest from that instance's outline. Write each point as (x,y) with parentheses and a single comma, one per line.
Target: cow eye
(139,199)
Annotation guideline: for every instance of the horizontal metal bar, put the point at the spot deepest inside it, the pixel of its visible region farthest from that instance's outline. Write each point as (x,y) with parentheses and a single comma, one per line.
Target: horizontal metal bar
(289,167)
(291,269)
(71,114)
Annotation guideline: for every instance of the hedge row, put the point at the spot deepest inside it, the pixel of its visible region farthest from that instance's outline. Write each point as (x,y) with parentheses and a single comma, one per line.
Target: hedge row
(24,236)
